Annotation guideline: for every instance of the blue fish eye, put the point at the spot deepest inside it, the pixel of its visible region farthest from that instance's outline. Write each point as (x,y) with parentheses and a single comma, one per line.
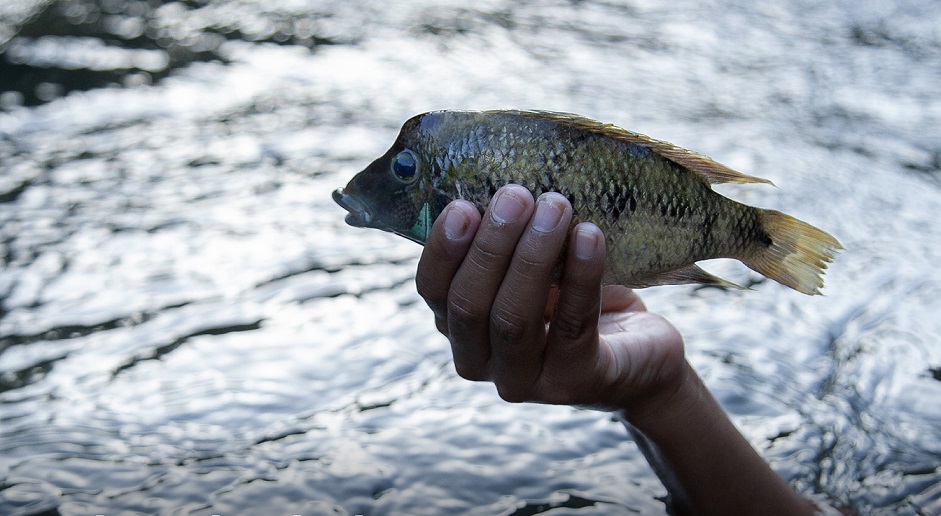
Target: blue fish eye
(405,166)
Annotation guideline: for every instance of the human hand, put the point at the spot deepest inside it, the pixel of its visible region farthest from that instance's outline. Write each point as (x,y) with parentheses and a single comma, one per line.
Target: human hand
(489,281)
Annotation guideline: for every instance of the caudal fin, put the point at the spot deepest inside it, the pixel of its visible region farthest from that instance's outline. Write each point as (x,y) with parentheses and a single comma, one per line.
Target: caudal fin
(798,254)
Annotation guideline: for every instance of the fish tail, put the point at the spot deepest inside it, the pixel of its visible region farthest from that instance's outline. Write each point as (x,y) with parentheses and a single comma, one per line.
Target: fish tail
(798,253)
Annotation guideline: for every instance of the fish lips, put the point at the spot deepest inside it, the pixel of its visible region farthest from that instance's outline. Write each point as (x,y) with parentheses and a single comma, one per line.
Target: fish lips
(359,215)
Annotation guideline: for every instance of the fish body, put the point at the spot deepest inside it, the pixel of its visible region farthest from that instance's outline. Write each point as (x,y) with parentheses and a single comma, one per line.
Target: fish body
(652,200)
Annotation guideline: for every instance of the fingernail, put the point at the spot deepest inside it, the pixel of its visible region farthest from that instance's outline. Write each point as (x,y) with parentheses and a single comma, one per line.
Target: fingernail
(548,214)
(507,207)
(455,223)
(587,241)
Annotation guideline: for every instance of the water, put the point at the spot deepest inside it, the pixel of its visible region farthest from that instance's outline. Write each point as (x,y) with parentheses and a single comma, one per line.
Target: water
(188,326)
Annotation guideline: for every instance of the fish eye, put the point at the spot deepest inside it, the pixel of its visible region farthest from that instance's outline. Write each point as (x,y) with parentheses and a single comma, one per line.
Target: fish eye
(405,166)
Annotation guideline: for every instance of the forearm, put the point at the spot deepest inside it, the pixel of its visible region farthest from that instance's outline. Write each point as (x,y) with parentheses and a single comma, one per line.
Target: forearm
(704,461)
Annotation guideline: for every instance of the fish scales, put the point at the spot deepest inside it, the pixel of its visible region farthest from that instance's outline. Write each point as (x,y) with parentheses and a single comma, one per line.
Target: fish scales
(657,215)
(652,200)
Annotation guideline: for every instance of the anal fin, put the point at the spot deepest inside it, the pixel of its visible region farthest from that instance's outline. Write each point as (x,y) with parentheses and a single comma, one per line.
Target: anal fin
(685,275)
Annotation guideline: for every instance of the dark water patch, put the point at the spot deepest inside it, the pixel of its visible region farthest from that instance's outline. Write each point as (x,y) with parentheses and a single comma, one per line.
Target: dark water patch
(570,502)
(318,280)
(283,34)
(43,512)
(929,168)
(444,23)
(161,351)
(365,407)
(935,373)
(11,380)
(13,193)
(363,262)
(281,435)
(74,331)
(33,372)
(202,161)
(883,35)
(341,289)
(871,36)
(78,45)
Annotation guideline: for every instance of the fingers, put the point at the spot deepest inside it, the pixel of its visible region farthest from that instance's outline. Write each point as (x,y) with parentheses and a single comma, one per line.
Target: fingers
(573,332)
(448,242)
(488,281)
(478,280)
(517,324)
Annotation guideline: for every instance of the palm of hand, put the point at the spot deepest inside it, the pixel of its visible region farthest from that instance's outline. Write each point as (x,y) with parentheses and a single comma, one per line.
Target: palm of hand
(635,353)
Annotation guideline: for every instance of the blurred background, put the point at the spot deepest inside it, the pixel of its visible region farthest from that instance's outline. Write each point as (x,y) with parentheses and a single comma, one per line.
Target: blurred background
(187,326)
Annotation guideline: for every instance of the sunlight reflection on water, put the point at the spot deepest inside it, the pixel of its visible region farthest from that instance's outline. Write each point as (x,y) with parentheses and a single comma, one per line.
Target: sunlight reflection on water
(188,326)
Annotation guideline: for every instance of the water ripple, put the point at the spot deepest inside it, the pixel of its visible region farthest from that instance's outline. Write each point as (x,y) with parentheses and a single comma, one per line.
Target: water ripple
(187,326)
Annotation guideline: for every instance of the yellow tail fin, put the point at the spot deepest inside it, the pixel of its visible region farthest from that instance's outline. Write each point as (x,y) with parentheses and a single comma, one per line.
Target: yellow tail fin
(798,254)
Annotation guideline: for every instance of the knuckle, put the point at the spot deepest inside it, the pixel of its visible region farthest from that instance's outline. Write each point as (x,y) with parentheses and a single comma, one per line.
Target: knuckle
(538,252)
(567,326)
(532,270)
(508,327)
(463,310)
(487,256)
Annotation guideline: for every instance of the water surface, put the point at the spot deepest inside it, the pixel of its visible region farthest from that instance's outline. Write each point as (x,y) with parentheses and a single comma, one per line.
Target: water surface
(188,327)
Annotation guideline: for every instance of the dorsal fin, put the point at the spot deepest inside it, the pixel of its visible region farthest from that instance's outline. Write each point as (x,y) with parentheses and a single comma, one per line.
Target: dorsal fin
(704,167)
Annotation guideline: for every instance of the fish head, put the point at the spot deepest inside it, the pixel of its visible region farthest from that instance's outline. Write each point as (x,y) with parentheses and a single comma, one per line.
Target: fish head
(395,193)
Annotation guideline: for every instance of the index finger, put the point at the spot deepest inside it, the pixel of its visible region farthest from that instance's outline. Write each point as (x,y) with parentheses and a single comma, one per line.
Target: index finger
(447,244)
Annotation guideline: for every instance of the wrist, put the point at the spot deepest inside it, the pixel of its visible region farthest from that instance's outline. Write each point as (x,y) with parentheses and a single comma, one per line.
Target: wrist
(668,404)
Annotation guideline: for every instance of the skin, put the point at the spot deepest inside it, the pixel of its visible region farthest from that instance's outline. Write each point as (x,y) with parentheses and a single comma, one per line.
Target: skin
(490,282)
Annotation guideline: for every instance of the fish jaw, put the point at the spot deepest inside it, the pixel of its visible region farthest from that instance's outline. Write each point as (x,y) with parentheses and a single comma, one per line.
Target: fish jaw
(359,215)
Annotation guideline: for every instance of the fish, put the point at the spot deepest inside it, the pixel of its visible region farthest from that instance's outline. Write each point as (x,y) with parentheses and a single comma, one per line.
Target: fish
(653,201)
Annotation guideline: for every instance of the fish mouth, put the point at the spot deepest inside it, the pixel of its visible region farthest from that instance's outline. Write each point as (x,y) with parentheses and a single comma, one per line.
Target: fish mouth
(359,215)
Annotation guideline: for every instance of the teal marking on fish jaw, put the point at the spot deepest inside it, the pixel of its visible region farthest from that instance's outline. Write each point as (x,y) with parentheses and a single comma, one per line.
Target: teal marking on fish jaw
(422,226)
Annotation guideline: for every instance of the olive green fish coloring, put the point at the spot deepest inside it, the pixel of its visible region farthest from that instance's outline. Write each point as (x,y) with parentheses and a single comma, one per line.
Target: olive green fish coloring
(653,200)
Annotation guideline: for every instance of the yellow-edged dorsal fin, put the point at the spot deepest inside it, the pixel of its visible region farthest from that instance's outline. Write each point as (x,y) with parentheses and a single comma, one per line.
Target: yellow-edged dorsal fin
(706,168)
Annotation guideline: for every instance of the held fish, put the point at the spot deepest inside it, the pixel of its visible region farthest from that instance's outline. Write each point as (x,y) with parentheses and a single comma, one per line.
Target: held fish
(652,200)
